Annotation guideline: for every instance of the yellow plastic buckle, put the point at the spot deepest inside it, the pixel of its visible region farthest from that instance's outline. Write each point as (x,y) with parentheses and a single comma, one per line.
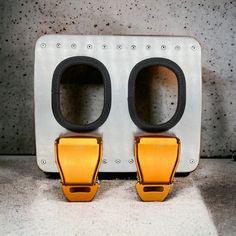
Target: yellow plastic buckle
(156,160)
(78,160)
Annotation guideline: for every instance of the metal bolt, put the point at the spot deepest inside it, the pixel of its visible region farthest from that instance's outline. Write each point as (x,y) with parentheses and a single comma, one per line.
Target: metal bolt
(104,46)
(131,161)
(43,45)
(104,161)
(177,47)
(73,45)
(43,162)
(89,46)
(192,161)
(148,46)
(58,45)
(163,47)
(133,47)
(117,161)
(193,47)
(119,46)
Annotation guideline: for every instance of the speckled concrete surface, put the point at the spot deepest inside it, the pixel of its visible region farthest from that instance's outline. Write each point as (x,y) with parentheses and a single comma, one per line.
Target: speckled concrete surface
(201,204)
(211,22)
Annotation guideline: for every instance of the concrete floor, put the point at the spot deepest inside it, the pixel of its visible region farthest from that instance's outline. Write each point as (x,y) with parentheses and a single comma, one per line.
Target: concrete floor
(201,204)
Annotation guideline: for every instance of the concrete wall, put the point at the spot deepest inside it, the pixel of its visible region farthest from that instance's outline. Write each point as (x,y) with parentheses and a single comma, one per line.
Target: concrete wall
(213,23)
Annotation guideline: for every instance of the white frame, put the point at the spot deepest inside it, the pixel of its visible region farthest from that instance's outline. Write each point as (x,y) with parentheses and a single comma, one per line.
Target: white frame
(119,57)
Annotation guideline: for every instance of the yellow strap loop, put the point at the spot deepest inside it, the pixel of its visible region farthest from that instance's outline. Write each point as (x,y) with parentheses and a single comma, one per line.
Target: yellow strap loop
(78,160)
(156,160)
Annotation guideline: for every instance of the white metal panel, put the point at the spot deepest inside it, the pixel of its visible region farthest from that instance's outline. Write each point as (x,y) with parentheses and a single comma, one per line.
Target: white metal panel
(119,57)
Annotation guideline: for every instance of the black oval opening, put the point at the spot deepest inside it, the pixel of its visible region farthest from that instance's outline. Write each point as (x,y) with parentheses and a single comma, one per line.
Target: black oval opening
(157,94)
(81,94)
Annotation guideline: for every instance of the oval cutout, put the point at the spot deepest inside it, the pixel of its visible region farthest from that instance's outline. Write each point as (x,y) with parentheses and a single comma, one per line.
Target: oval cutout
(81,94)
(157,94)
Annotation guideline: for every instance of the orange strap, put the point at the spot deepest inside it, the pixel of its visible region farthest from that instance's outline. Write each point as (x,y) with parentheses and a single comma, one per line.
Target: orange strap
(156,160)
(78,160)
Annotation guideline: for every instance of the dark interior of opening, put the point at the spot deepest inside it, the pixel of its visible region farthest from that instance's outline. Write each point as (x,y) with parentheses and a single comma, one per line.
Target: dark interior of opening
(156,94)
(81,94)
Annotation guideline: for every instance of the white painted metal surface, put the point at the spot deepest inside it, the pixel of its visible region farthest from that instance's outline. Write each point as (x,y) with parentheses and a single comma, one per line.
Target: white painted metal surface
(119,57)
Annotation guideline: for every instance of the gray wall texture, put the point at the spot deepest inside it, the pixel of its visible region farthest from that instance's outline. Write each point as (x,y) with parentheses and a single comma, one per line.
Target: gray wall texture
(212,23)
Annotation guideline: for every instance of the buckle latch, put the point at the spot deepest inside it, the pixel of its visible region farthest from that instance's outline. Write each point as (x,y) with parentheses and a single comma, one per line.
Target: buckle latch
(78,160)
(156,160)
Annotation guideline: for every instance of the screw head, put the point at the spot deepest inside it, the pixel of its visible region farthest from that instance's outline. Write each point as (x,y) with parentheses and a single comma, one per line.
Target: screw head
(119,46)
(104,161)
(133,47)
(43,162)
(193,47)
(43,45)
(131,161)
(192,161)
(117,161)
(58,45)
(104,46)
(73,45)
(163,47)
(89,46)
(148,46)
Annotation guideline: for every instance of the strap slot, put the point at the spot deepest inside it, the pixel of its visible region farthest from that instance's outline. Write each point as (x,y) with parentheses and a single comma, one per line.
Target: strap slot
(80,189)
(153,189)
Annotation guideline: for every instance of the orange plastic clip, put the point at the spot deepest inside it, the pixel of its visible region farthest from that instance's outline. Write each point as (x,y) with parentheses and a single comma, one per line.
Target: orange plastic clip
(156,160)
(78,160)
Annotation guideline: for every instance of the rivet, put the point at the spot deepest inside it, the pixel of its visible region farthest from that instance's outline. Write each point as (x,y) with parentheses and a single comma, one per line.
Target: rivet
(104,161)
(58,45)
(89,46)
(193,47)
(148,46)
(133,47)
(73,45)
(163,47)
(119,46)
(177,47)
(131,161)
(192,161)
(104,46)
(43,162)
(117,161)
(43,45)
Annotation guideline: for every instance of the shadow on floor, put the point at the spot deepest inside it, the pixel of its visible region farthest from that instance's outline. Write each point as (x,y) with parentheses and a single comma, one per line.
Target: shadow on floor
(216,180)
